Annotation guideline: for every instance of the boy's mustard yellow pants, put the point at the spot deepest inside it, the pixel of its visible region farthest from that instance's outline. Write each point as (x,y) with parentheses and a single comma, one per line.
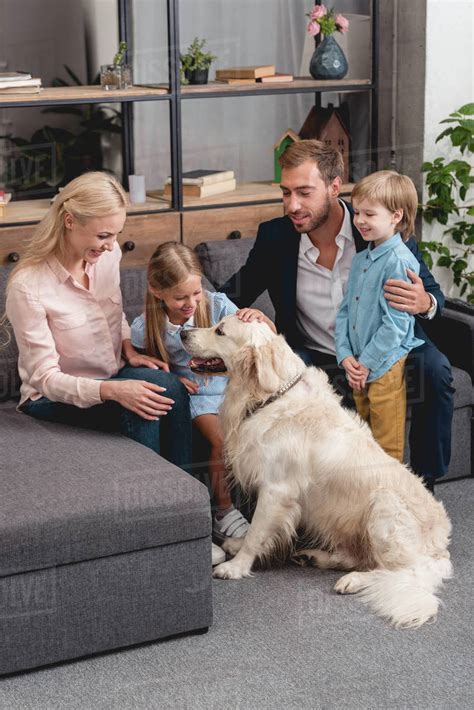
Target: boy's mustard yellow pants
(382,404)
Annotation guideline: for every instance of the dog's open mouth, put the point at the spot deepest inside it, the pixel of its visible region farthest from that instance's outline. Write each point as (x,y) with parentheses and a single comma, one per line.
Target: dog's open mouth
(208,366)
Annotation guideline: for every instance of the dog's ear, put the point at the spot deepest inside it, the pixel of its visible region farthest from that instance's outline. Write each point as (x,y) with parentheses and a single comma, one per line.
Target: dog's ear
(255,366)
(258,374)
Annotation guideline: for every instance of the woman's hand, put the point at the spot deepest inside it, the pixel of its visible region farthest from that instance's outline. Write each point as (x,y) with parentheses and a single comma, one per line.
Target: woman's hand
(141,397)
(192,387)
(138,360)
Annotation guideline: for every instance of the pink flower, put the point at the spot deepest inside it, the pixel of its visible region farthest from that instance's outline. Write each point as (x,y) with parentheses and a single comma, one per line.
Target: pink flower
(342,23)
(313,29)
(317,12)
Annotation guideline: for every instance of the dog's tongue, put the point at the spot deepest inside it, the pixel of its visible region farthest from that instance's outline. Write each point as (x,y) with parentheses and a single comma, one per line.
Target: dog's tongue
(195,361)
(214,363)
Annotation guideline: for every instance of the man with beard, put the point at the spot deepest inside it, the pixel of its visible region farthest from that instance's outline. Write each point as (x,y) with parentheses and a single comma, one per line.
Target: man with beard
(304,259)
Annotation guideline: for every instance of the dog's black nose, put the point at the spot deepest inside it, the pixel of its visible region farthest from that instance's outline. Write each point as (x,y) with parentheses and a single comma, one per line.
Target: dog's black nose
(184,335)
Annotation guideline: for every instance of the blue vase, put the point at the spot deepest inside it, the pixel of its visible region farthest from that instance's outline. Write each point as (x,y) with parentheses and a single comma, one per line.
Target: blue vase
(328,60)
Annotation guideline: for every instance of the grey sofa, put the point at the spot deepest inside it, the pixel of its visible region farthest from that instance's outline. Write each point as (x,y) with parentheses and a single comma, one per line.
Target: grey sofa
(453,333)
(104,544)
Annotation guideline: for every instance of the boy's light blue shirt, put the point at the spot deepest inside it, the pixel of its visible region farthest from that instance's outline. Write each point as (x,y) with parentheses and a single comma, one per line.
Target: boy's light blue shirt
(367,327)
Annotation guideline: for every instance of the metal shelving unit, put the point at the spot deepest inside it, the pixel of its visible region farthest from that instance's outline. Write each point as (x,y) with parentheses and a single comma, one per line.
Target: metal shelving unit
(175,94)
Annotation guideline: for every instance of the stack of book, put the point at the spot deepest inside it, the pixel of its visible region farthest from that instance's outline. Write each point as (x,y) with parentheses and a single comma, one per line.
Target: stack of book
(251,75)
(204,183)
(16,82)
(5,198)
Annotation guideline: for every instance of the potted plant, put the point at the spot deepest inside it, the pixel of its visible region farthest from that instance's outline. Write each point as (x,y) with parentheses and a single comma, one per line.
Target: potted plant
(448,185)
(117,75)
(328,60)
(195,63)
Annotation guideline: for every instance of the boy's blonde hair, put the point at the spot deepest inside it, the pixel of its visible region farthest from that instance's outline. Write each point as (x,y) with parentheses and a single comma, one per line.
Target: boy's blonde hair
(394,192)
(170,264)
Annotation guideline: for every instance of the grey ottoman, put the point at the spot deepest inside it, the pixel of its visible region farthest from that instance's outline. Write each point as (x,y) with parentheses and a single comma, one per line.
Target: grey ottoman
(104,544)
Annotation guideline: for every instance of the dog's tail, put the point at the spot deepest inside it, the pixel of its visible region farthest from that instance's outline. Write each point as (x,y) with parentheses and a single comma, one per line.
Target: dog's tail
(406,597)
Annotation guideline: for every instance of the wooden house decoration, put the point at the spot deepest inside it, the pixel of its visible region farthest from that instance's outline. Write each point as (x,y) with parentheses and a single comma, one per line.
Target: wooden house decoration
(326,125)
(286,139)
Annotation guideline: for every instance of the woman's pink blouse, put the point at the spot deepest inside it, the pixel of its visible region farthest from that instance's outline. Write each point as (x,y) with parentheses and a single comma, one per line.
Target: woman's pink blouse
(69,338)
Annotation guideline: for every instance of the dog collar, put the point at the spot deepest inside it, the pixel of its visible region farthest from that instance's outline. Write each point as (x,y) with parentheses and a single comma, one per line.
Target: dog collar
(287,386)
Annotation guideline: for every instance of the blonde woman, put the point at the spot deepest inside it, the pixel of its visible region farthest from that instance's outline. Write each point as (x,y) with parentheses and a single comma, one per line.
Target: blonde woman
(76,361)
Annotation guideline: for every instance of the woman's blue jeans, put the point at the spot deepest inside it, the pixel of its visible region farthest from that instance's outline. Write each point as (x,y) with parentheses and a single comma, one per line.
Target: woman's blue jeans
(169,436)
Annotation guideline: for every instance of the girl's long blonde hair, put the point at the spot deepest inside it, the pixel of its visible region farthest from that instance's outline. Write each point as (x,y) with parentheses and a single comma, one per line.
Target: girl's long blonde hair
(171,264)
(92,194)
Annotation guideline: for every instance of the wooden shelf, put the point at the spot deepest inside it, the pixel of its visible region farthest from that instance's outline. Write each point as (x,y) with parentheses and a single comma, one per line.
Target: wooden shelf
(84,94)
(95,94)
(25,211)
(298,84)
(32,211)
(245,192)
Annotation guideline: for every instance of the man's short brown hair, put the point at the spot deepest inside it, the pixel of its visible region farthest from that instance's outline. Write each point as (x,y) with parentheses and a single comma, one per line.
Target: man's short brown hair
(328,160)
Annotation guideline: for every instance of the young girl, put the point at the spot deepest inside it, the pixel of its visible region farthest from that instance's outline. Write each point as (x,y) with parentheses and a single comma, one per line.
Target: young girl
(175,300)
(372,338)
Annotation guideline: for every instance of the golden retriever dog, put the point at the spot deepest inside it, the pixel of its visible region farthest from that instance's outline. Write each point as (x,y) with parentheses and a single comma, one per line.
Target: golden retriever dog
(315,466)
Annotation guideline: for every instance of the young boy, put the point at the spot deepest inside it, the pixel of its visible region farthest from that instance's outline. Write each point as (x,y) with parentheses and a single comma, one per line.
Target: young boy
(372,338)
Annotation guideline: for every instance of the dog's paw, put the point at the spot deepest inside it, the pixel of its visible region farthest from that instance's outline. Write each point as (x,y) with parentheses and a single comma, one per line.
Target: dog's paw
(230,570)
(232,545)
(303,559)
(350,583)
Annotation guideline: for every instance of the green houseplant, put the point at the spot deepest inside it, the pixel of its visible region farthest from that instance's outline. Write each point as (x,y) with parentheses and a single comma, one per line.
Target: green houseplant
(195,63)
(448,184)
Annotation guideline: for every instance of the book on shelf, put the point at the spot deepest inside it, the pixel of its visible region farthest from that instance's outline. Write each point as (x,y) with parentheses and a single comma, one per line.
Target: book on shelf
(236,81)
(278,76)
(20,86)
(204,190)
(14,75)
(22,91)
(204,177)
(250,72)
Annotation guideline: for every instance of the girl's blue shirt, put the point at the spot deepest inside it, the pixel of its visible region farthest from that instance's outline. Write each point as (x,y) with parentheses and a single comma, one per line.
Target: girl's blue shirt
(211,389)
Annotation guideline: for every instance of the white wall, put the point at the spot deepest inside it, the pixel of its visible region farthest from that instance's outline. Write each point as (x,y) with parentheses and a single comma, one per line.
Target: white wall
(449,85)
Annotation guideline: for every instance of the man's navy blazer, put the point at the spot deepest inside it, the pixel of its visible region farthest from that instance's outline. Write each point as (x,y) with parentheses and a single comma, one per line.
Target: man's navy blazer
(273,264)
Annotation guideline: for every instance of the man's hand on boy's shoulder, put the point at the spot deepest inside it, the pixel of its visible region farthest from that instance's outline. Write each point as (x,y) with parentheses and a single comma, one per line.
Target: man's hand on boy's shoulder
(409,297)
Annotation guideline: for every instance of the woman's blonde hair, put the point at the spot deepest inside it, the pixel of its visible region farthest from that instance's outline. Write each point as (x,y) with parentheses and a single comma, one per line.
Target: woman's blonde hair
(92,194)
(394,192)
(170,264)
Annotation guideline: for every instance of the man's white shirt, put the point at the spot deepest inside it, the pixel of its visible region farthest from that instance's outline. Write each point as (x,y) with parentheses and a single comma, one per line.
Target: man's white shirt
(319,291)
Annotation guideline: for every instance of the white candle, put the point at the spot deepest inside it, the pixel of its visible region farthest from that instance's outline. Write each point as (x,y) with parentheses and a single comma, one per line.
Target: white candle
(136,184)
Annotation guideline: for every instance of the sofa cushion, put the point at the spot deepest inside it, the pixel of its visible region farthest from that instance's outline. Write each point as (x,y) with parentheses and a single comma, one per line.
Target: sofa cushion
(133,285)
(220,259)
(76,494)
(462,383)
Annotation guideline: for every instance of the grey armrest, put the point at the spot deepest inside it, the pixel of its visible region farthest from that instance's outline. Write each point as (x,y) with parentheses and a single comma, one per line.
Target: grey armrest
(453,333)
